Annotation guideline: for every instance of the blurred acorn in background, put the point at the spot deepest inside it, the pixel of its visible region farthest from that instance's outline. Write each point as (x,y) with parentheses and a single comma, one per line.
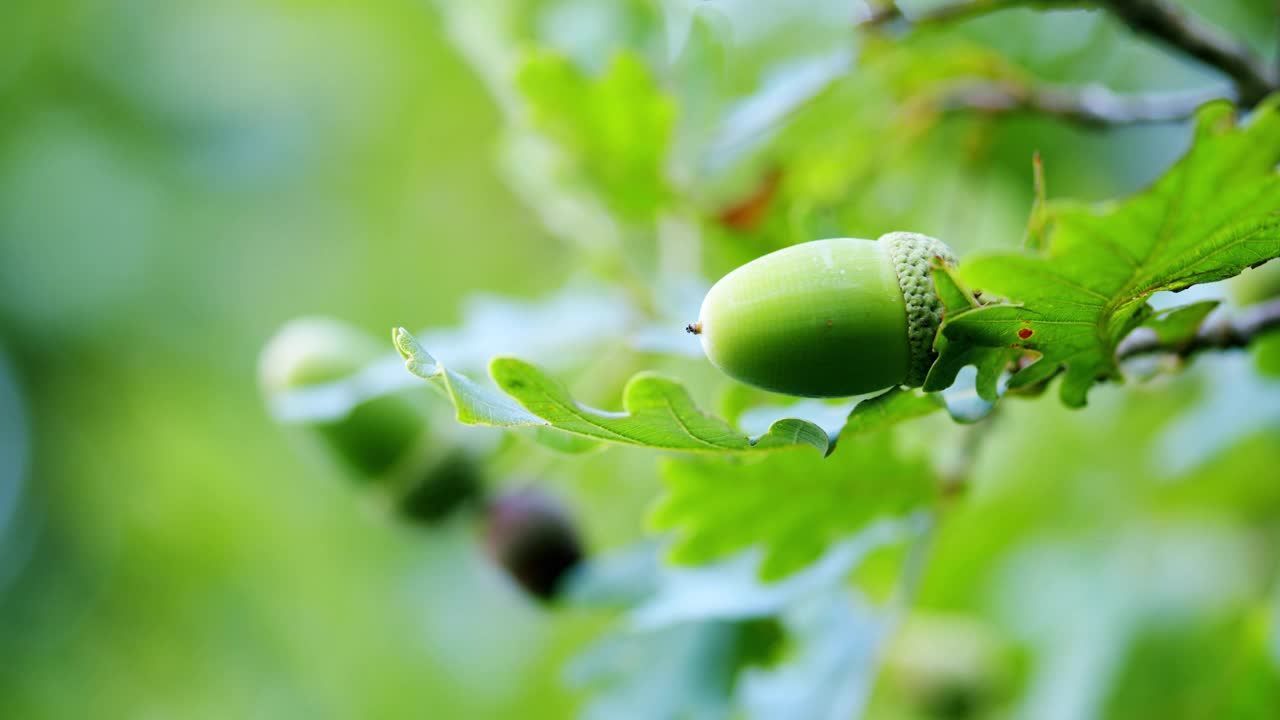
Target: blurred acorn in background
(385,440)
(532,536)
(949,667)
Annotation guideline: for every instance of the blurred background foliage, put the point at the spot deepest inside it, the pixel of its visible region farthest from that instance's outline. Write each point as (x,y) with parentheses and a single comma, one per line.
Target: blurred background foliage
(178,180)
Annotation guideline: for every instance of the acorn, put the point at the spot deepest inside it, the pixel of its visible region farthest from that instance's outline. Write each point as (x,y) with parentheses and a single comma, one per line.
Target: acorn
(534,539)
(376,435)
(828,318)
(385,440)
(453,481)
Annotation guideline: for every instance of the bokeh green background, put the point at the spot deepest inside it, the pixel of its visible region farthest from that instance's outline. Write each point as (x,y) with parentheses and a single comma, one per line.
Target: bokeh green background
(177,180)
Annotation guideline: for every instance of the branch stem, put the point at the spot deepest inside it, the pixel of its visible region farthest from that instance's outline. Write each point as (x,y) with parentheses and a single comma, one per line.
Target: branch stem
(890,13)
(1091,106)
(1161,20)
(1219,332)
(1165,21)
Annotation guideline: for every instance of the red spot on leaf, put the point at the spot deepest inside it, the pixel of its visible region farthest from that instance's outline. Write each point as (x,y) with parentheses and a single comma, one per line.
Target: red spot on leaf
(1025,333)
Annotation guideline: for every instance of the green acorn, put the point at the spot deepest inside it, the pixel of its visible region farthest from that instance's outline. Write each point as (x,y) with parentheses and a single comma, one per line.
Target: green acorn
(376,435)
(384,440)
(828,318)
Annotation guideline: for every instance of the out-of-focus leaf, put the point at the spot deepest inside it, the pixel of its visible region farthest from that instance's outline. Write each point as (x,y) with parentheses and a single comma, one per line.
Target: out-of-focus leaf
(613,130)
(1266,354)
(1049,597)
(884,106)
(897,405)
(490,325)
(683,671)
(794,506)
(755,24)
(1215,662)
(554,331)
(733,590)
(754,120)
(1211,216)
(658,412)
(1217,422)
(14,440)
(618,578)
(1179,325)
(835,642)
(700,633)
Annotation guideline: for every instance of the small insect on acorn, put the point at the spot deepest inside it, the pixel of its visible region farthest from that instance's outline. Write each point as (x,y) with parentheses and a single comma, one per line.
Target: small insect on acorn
(828,318)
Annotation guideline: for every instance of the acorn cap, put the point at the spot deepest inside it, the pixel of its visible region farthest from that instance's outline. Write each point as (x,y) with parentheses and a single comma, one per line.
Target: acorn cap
(913,257)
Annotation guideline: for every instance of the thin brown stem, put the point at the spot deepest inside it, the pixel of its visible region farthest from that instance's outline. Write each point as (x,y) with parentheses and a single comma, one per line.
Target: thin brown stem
(1091,106)
(1219,332)
(890,13)
(1165,21)
(1162,20)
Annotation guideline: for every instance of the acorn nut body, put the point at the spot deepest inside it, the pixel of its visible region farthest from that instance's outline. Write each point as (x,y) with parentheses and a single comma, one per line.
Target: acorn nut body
(386,440)
(375,436)
(533,537)
(828,318)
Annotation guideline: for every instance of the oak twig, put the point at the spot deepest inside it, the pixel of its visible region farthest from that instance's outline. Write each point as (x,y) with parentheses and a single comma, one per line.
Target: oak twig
(957,11)
(1166,21)
(1219,332)
(1162,20)
(1091,106)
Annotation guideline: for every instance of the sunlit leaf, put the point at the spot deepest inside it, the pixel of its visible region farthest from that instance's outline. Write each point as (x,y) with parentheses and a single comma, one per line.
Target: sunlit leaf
(795,505)
(658,412)
(688,672)
(613,129)
(897,405)
(717,641)
(1211,216)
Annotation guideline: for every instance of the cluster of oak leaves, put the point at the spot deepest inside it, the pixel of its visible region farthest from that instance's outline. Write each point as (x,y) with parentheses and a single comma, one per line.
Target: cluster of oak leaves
(1055,311)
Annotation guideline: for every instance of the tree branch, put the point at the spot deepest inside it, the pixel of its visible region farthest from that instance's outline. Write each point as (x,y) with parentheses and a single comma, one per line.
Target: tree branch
(1091,106)
(1162,20)
(890,13)
(1219,332)
(1169,23)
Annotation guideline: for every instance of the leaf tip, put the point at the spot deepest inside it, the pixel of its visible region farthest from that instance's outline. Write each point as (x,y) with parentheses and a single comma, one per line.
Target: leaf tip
(416,358)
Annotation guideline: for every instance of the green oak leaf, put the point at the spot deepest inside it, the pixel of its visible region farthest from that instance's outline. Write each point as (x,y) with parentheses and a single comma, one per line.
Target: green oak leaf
(614,129)
(990,361)
(690,670)
(887,409)
(1215,213)
(659,413)
(795,505)
(1180,325)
